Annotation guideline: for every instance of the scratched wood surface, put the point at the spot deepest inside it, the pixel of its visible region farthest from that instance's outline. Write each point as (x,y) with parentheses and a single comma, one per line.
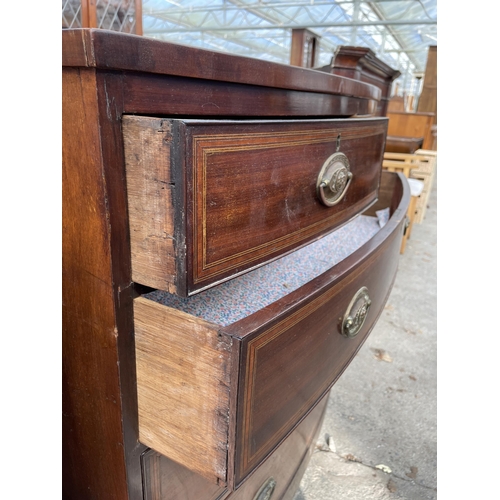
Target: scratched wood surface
(183,379)
(147,144)
(274,385)
(249,190)
(105,77)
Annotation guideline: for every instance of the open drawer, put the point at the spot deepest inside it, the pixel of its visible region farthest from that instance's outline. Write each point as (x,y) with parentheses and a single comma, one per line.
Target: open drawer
(221,386)
(211,199)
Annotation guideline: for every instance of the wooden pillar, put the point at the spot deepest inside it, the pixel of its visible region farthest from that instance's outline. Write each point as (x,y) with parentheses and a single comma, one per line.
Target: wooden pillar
(305,46)
(89,15)
(428,98)
(138,17)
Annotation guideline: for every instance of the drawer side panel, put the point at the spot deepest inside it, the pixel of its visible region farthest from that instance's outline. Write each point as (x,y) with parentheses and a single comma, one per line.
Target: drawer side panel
(147,143)
(183,388)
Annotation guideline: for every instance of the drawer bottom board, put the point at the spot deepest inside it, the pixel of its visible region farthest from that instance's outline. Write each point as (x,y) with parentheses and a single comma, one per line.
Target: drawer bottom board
(246,294)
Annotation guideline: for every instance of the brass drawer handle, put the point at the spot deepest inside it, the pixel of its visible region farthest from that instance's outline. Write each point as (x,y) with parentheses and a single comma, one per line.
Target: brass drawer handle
(334,179)
(266,490)
(356,313)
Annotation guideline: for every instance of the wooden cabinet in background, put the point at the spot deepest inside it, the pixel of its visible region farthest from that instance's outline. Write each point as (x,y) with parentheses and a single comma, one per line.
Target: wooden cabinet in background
(412,125)
(361,63)
(427,102)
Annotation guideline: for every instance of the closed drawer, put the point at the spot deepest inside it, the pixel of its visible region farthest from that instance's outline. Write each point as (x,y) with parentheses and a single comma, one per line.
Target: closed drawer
(278,477)
(218,395)
(209,200)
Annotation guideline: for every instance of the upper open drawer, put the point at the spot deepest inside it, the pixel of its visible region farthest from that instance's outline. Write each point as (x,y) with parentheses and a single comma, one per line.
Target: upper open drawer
(209,200)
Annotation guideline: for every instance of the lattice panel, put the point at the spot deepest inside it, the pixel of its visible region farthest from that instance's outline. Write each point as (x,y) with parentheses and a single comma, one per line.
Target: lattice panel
(71,14)
(116,15)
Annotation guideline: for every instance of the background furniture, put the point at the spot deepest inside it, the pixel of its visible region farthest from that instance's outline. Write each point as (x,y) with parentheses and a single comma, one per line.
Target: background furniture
(399,144)
(428,97)
(361,63)
(427,102)
(421,166)
(160,403)
(413,126)
(305,47)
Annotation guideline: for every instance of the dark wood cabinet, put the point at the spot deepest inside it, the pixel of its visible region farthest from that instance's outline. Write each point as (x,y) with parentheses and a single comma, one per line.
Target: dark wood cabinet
(222,264)
(361,63)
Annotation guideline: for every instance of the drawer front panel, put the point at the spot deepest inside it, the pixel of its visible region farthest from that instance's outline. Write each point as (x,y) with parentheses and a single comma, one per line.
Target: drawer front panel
(255,189)
(220,400)
(284,469)
(287,367)
(237,194)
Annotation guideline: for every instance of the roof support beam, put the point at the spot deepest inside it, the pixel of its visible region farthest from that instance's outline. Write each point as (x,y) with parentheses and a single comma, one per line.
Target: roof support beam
(292,26)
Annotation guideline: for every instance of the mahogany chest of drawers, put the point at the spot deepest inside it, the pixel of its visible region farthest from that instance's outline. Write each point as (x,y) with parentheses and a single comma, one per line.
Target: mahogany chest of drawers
(222,264)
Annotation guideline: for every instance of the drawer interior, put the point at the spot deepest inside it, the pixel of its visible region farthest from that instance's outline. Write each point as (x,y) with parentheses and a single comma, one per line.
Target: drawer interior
(235,299)
(209,200)
(221,376)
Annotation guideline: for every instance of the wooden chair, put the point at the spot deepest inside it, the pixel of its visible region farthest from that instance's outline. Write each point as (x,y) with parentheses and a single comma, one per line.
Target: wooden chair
(420,165)
(419,170)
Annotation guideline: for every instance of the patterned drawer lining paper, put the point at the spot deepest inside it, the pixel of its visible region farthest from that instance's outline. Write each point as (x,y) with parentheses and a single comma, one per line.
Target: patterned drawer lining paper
(246,294)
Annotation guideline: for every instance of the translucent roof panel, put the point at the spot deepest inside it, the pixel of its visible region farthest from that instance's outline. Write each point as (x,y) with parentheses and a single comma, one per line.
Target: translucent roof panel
(399,32)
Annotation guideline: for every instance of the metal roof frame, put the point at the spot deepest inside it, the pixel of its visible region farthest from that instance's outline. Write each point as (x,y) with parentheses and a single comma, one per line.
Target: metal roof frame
(399,32)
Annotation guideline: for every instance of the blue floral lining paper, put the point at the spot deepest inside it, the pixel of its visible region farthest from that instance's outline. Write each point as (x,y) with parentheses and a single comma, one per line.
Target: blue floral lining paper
(246,294)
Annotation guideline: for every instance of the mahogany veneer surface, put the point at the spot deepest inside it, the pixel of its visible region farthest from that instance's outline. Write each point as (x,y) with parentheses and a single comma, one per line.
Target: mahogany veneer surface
(261,357)
(167,480)
(209,200)
(107,76)
(362,64)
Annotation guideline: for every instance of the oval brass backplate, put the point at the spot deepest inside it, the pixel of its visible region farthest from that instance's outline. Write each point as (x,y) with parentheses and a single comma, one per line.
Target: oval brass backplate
(333,179)
(356,313)
(266,490)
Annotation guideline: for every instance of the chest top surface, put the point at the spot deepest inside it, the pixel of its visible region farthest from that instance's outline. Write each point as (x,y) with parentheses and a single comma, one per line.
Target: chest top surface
(111,50)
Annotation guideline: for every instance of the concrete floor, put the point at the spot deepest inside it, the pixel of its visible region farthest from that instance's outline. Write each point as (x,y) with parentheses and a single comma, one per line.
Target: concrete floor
(379,436)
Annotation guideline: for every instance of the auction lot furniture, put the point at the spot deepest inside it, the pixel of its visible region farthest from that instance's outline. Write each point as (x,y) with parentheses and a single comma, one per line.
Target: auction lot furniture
(222,264)
(416,126)
(422,166)
(361,63)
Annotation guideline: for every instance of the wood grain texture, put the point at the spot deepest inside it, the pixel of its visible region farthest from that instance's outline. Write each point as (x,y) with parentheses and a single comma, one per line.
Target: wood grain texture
(165,479)
(278,384)
(109,86)
(91,390)
(412,125)
(183,379)
(175,95)
(147,143)
(250,192)
(253,191)
(110,49)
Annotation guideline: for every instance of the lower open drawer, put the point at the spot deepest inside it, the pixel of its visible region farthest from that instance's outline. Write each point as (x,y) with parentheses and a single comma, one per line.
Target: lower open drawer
(225,376)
